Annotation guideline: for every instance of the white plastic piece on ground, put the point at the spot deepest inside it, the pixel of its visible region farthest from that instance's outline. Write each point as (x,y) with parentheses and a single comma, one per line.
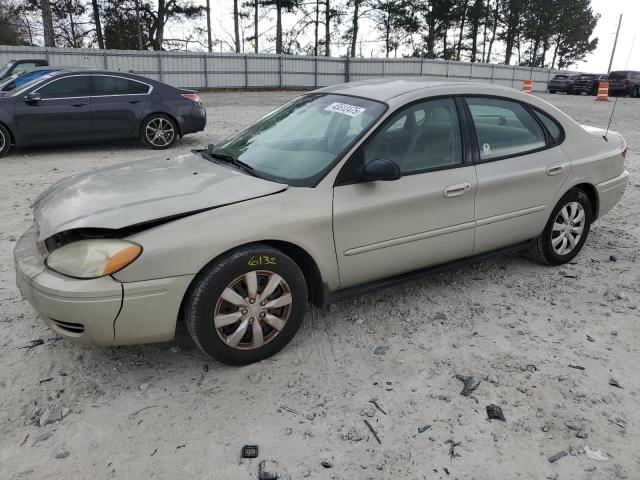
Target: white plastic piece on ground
(595,454)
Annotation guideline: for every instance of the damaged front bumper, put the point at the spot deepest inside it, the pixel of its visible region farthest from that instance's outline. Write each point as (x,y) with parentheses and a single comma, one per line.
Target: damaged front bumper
(99,311)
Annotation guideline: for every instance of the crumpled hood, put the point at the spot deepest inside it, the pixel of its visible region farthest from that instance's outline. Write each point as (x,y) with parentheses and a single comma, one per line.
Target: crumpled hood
(142,191)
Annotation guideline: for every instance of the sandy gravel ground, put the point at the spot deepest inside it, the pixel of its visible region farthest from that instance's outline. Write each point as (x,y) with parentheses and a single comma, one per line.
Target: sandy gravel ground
(166,412)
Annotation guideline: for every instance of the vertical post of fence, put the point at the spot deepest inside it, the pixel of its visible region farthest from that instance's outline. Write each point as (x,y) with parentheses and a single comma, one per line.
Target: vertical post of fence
(246,71)
(206,70)
(513,77)
(448,64)
(160,71)
(384,68)
(104,60)
(315,71)
(493,72)
(471,72)
(347,69)
(280,70)
(422,66)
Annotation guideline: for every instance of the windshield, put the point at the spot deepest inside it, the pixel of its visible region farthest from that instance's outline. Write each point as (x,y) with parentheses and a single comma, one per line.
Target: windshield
(298,142)
(29,84)
(5,69)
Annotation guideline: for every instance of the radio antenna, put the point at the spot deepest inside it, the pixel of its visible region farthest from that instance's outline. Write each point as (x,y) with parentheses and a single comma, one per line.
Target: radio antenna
(616,100)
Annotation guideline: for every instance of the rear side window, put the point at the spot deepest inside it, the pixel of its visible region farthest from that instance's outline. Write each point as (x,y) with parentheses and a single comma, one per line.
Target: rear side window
(67,87)
(504,128)
(105,85)
(24,67)
(551,125)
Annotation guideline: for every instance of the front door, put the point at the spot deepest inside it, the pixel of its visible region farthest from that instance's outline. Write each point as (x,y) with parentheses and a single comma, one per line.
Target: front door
(519,175)
(426,217)
(62,115)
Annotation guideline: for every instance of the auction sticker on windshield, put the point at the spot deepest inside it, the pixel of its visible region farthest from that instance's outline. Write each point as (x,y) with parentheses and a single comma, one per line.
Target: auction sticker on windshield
(345,108)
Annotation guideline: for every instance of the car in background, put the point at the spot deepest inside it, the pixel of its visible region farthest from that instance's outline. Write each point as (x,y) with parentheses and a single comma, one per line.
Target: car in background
(562,82)
(20,79)
(342,190)
(588,83)
(15,67)
(624,82)
(65,107)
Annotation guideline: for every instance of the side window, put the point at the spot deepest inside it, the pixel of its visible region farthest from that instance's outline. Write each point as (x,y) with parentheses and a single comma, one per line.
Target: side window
(24,67)
(422,136)
(67,87)
(551,125)
(504,128)
(106,85)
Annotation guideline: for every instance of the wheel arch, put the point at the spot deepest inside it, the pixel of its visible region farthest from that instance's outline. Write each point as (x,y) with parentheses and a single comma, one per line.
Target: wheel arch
(591,193)
(12,137)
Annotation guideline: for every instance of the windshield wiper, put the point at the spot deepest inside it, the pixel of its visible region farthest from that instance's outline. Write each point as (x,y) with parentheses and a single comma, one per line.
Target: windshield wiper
(225,157)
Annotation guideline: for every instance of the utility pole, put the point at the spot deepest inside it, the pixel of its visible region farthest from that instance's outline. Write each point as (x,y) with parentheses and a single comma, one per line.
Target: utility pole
(209,42)
(615,43)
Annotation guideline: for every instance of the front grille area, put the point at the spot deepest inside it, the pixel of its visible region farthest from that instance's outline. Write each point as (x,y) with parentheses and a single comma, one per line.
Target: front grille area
(69,326)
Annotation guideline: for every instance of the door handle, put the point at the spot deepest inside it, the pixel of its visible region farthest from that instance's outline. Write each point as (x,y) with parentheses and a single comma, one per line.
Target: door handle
(457,190)
(78,104)
(135,101)
(554,169)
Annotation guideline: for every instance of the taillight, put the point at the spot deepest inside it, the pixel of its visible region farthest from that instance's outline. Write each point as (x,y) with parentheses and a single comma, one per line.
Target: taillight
(626,81)
(192,96)
(625,150)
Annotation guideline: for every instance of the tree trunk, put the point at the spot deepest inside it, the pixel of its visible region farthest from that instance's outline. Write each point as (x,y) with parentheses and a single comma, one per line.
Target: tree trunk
(139,25)
(209,41)
(494,29)
(315,29)
(278,26)
(47,21)
(255,24)
(354,37)
(474,38)
(463,17)
(72,26)
(327,32)
(236,25)
(161,21)
(484,34)
(96,21)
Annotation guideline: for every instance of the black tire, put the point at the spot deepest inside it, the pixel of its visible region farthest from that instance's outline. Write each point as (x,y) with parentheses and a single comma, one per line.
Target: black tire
(5,140)
(552,92)
(204,296)
(151,124)
(636,92)
(541,248)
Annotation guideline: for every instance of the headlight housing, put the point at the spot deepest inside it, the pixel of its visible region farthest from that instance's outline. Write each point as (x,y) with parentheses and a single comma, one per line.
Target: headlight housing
(93,258)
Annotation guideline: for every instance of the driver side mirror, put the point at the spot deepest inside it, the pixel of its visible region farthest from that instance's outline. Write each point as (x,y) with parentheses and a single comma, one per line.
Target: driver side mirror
(381,169)
(33,97)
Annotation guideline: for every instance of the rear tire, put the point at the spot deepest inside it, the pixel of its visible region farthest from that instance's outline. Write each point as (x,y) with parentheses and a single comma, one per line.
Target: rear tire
(552,92)
(246,306)
(158,131)
(566,230)
(5,140)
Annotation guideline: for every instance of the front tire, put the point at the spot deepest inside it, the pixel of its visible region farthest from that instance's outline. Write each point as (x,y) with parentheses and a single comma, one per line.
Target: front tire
(566,230)
(246,306)
(158,131)
(5,140)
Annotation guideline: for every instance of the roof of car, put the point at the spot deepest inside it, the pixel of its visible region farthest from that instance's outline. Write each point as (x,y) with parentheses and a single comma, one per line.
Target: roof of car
(386,89)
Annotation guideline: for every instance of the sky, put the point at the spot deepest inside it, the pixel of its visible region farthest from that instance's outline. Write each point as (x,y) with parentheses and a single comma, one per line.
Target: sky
(596,62)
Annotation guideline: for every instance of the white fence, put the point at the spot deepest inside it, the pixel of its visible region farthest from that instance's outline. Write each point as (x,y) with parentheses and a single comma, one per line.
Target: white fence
(231,70)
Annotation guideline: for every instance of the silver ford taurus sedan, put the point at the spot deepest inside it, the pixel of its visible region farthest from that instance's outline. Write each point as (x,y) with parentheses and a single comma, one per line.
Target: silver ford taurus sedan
(339,191)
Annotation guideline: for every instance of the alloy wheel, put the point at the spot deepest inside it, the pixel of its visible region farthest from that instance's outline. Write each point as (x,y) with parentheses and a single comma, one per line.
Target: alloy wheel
(159,132)
(253,309)
(567,228)
(3,141)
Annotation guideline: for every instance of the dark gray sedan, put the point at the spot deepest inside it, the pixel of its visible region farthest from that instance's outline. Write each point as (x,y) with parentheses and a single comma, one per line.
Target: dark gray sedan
(93,105)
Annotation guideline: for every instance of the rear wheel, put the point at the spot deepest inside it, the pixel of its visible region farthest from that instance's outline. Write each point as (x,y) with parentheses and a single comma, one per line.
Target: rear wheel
(552,92)
(566,231)
(247,306)
(158,131)
(5,140)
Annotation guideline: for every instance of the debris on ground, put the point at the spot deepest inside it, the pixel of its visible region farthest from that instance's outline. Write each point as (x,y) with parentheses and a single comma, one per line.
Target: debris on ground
(469,384)
(375,434)
(60,454)
(268,470)
(590,338)
(494,412)
(33,343)
(595,454)
(452,448)
(424,428)
(577,367)
(250,451)
(614,383)
(381,350)
(377,405)
(41,437)
(326,464)
(557,456)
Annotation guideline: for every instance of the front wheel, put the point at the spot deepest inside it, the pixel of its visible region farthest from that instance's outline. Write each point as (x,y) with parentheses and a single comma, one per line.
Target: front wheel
(247,306)
(566,231)
(158,131)
(5,140)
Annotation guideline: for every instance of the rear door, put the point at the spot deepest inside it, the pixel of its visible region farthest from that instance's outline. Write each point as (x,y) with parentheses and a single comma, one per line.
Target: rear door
(62,115)
(384,228)
(519,171)
(117,106)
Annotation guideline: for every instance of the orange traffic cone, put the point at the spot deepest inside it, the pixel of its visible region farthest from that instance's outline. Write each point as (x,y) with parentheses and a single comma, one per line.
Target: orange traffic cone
(603,92)
(527,86)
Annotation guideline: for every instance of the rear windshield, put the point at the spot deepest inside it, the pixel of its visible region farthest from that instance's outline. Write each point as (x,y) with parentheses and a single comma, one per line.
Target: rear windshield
(615,75)
(587,77)
(560,77)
